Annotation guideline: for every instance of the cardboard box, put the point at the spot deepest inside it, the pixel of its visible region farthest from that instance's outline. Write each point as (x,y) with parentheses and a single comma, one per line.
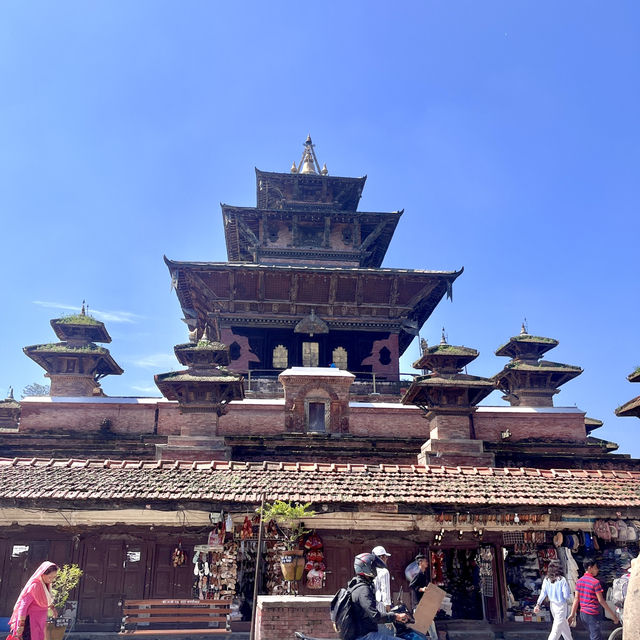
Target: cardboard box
(427,608)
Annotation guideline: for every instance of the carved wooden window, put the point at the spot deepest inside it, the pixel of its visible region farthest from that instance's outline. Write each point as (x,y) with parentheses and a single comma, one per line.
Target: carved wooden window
(310,354)
(71,366)
(339,357)
(385,356)
(235,350)
(316,417)
(280,357)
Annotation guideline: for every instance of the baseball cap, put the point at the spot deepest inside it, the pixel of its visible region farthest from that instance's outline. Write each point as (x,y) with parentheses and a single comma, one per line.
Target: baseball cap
(380,551)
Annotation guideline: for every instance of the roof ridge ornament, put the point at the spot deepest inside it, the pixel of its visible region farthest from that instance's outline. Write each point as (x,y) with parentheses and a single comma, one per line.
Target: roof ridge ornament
(524,330)
(311,325)
(443,338)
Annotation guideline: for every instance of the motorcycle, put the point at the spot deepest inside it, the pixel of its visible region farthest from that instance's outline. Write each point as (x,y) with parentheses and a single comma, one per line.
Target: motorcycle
(401,630)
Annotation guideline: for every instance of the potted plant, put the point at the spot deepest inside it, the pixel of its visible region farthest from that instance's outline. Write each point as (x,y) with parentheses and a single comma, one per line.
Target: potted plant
(288,517)
(66,581)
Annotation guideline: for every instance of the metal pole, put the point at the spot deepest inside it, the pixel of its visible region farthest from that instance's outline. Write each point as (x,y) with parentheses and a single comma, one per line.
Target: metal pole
(249,380)
(374,382)
(256,575)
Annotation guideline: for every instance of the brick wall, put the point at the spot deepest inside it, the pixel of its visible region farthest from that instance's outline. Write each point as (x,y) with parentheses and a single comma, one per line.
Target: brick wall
(450,426)
(69,385)
(567,427)
(278,617)
(383,421)
(80,416)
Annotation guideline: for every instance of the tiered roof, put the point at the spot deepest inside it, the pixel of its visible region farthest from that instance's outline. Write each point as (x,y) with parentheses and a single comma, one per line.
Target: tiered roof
(527,379)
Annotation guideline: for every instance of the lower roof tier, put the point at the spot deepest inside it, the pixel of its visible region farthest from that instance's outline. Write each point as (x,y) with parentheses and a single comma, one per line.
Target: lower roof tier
(244,294)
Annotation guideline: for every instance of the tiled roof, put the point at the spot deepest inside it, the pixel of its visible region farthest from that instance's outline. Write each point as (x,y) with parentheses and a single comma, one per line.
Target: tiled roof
(91,481)
(631,408)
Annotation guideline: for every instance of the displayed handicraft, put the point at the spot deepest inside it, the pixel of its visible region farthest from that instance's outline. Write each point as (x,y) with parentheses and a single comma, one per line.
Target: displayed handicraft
(178,556)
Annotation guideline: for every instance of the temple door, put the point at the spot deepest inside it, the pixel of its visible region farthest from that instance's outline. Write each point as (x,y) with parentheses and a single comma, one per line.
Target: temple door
(169,581)
(114,571)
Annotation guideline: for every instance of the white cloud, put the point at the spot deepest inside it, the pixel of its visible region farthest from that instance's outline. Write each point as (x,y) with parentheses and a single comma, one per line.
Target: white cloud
(150,389)
(154,361)
(106,316)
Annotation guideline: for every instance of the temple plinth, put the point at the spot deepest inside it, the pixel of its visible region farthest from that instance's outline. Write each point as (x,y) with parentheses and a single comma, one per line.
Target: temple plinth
(75,365)
(527,380)
(448,398)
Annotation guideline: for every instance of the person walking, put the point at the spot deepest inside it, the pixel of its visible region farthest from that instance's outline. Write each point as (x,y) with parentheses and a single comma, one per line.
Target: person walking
(589,597)
(29,618)
(421,579)
(419,585)
(382,581)
(556,588)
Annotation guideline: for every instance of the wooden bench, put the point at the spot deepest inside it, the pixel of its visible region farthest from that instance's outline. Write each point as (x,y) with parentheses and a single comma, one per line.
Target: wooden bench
(175,617)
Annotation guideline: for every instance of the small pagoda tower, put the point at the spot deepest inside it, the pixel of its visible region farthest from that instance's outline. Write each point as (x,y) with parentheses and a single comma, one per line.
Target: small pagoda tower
(9,412)
(631,408)
(448,398)
(204,391)
(528,381)
(76,364)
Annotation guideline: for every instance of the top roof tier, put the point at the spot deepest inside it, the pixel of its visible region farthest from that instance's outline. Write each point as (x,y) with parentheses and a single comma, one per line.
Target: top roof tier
(307,186)
(306,216)
(445,358)
(80,328)
(526,347)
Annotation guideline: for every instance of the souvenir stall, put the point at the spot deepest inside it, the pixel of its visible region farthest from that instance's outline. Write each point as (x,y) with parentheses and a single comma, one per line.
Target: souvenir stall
(527,554)
(457,572)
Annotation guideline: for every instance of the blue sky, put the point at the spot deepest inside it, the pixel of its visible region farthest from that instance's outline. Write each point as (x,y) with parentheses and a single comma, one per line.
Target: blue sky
(508,131)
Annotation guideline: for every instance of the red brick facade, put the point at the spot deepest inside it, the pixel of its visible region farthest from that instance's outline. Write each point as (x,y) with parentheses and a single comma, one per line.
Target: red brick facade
(279,617)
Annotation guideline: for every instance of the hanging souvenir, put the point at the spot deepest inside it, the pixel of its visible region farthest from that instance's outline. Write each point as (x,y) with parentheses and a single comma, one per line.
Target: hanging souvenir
(315,577)
(272,529)
(247,530)
(313,541)
(178,557)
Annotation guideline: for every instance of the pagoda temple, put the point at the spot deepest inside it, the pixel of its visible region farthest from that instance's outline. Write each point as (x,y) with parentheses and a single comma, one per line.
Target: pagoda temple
(303,284)
(291,390)
(76,364)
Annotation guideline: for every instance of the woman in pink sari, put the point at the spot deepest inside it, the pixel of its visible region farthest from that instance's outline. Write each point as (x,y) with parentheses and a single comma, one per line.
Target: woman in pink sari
(29,618)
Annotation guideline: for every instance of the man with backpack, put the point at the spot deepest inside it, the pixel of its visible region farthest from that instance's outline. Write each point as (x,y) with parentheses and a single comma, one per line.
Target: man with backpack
(353,610)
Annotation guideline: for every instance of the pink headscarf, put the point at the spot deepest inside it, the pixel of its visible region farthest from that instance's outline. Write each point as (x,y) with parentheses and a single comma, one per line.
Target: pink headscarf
(41,591)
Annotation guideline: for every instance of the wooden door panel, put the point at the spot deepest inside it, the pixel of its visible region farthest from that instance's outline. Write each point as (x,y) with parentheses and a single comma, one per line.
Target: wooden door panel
(101,587)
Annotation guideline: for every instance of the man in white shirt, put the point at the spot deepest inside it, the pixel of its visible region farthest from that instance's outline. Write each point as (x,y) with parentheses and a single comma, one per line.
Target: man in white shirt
(382,581)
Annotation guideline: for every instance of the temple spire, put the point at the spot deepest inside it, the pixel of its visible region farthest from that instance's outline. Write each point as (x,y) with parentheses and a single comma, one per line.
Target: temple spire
(309,164)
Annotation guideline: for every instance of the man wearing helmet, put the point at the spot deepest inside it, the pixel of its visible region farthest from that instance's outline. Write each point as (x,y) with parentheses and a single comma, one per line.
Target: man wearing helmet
(366,615)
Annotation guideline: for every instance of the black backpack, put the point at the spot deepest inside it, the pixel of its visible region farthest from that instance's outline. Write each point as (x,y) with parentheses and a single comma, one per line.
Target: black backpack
(342,611)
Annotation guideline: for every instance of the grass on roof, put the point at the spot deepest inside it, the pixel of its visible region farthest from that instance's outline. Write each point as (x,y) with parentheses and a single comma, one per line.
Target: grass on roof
(62,347)
(77,318)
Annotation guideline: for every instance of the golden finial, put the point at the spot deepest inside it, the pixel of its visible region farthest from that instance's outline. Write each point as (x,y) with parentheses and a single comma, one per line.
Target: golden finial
(443,339)
(523,329)
(294,169)
(324,171)
(82,311)
(309,163)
